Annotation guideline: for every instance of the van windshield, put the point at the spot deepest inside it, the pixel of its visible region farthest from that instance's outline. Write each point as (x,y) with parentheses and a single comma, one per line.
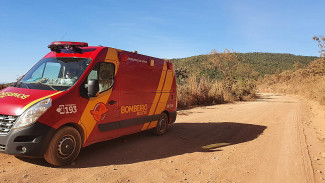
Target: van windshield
(54,74)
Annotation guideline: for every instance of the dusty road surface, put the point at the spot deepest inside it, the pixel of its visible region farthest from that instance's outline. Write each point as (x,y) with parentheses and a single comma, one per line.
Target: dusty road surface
(273,139)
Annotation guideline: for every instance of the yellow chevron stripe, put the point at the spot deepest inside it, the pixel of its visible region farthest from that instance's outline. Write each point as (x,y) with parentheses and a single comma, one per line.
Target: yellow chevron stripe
(112,56)
(165,93)
(145,126)
(35,101)
(153,124)
(154,104)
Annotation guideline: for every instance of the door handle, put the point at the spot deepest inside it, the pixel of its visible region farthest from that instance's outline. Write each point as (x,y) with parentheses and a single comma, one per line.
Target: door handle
(112,102)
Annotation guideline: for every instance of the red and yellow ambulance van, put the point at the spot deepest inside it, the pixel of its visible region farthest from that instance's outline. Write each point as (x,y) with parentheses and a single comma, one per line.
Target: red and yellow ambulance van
(78,95)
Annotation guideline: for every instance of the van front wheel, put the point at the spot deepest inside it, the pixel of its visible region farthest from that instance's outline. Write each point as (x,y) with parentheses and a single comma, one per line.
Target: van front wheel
(162,125)
(64,147)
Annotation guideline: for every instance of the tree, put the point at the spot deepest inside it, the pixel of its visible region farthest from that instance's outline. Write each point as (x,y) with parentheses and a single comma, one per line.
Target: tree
(237,77)
(321,44)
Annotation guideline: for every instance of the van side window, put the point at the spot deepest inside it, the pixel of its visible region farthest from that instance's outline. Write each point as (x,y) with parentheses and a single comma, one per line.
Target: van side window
(104,73)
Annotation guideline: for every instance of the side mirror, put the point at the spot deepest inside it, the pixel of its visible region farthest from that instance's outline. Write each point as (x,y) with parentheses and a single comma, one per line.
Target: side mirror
(93,87)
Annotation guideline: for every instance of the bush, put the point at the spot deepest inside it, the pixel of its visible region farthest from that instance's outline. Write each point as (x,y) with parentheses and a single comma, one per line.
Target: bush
(308,82)
(236,81)
(196,92)
(200,91)
(3,86)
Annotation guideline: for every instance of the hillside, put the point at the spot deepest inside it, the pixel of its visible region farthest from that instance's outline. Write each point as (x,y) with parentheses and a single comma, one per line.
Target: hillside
(308,82)
(263,63)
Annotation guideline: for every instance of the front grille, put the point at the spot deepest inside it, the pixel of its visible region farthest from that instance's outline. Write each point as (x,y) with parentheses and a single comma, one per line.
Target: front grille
(6,123)
(2,147)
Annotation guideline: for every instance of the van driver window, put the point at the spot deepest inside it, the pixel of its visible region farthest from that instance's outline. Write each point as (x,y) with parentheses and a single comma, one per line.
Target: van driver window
(104,72)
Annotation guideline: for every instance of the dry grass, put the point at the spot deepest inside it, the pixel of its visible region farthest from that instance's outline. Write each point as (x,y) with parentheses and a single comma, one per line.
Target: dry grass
(199,91)
(308,82)
(236,82)
(3,86)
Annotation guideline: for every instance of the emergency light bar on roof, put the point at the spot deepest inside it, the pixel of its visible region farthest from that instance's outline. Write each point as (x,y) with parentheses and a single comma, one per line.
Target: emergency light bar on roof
(56,46)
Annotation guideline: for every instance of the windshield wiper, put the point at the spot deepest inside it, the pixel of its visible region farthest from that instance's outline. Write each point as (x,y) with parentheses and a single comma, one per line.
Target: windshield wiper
(47,85)
(19,83)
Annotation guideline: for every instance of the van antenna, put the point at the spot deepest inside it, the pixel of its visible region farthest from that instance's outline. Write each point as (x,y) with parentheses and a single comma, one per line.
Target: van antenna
(63,36)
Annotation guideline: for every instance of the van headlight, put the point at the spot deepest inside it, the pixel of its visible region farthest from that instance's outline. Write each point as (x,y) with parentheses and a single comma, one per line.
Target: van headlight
(33,113)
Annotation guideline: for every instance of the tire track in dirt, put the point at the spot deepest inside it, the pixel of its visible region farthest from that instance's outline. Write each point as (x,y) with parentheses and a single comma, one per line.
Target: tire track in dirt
(258,141)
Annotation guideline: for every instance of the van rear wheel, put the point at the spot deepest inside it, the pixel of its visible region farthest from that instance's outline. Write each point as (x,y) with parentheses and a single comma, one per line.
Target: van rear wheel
(64,147)
(162,125)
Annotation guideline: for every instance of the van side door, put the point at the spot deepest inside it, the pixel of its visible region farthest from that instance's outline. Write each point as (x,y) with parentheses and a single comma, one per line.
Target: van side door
(102,109)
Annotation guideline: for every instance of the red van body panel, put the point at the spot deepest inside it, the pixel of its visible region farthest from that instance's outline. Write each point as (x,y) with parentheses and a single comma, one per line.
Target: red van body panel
(144,88)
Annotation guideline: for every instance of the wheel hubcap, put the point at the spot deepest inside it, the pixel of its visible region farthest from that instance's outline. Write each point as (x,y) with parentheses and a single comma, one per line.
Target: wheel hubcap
(66,146)
(162,125)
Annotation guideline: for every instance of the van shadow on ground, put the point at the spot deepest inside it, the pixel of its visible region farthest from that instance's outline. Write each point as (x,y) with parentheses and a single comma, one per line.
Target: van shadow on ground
(182,138)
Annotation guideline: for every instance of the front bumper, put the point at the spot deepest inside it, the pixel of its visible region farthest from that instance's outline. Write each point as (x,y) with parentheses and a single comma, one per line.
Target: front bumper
(29,141)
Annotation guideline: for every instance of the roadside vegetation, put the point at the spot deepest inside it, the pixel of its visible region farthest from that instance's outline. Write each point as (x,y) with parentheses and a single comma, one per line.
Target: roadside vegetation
(308,81)
(2,86)
(222,78)
(228,76)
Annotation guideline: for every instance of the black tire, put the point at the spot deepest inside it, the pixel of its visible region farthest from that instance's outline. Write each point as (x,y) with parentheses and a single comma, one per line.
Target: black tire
(162,125)
(64,147)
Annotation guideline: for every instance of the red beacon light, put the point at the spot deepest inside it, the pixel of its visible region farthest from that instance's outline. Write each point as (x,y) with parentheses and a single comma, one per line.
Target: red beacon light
(56,46)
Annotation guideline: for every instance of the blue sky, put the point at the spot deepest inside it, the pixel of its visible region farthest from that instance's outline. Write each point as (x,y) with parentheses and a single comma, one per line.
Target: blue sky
(165,29)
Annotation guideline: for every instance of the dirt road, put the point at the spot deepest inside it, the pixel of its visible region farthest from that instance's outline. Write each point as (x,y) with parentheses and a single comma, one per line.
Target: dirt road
(273,139)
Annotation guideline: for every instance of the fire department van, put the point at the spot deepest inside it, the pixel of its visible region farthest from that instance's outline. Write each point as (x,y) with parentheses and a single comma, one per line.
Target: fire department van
(78,95)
